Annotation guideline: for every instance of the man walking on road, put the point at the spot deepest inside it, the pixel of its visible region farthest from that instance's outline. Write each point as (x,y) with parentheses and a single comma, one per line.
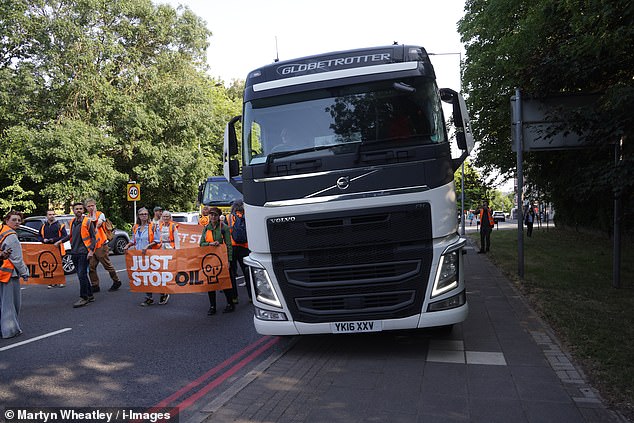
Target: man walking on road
(486,226)
(102,250)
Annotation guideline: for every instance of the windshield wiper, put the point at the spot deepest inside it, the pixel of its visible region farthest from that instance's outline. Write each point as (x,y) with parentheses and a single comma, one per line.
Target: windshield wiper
(278,154)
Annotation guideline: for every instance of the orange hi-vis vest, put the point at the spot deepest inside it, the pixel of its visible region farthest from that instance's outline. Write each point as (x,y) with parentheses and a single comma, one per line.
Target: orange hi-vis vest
(85,232)
(231,219)
(172,228)
(150,234)
(6,269)
(489,216)
(100,233)
(61,246)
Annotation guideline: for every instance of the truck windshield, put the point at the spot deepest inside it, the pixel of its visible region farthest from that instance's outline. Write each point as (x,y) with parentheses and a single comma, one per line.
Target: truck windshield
(384,114)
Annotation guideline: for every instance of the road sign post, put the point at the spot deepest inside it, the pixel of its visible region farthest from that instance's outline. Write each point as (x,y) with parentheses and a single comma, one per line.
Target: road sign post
(134,194)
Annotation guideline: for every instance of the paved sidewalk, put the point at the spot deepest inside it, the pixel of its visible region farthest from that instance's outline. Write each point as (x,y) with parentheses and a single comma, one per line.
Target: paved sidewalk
(503,364)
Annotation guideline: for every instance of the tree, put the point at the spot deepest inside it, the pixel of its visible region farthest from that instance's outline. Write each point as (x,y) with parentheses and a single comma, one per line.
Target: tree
(95,93)
(552,48)
(476,188)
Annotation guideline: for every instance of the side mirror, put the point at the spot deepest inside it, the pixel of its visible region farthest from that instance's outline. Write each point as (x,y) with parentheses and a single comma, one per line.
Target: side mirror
(464,136)
(231,166)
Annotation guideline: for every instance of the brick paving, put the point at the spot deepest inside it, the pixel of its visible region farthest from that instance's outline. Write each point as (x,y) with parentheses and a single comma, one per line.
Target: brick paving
(503,364)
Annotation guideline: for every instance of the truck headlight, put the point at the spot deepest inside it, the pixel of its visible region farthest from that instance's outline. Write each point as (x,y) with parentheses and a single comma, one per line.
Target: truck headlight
(447,273)
(264,291)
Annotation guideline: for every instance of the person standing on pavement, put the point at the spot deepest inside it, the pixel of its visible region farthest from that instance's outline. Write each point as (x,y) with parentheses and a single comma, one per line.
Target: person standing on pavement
(529,220)
(240,244)
(144,232)
(166,238)
(215,234)
(51,232)
(102,250)
(486,227)
(11,270)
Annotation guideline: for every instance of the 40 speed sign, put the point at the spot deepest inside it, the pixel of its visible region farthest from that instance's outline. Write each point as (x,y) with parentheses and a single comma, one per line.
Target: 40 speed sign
(134,192)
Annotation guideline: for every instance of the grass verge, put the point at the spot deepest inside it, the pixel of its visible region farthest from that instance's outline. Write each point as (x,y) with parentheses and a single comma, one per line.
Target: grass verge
(568,281)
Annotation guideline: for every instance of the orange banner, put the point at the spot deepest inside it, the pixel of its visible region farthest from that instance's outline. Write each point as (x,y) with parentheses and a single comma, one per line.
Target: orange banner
(189,234)
(183,271)
(44,262)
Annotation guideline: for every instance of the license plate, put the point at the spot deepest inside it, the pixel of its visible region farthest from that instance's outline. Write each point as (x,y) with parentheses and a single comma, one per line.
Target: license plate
(356,327)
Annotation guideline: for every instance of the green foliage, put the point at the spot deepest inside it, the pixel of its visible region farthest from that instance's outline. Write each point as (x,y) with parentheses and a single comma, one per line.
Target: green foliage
(93,94)
(548,48)
(476,188)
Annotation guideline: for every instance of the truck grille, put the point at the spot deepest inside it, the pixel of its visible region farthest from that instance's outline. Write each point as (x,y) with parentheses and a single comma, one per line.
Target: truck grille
(362,264)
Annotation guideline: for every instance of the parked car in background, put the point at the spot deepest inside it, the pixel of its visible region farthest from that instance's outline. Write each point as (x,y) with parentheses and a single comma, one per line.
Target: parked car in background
(119,238)
(27,234)
(185,217)
(498,216)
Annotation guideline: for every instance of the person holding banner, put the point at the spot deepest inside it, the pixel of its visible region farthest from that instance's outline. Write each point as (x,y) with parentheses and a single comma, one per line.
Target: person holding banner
(215,234)
(51,232)
(144,232)
(166,239)
(11,270)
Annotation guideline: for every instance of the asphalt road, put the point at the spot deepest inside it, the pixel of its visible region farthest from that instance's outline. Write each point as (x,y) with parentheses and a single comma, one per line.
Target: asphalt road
(115,353)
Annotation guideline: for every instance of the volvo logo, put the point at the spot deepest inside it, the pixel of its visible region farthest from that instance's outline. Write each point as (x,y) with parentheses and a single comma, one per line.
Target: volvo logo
(343,182)
(282,219)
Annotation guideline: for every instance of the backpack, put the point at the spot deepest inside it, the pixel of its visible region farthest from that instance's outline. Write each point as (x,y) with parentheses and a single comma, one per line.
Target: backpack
(108,227)
(239,229)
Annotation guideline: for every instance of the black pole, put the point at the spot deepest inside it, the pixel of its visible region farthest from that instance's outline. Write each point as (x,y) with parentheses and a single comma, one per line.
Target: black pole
(517,120)
(618,213)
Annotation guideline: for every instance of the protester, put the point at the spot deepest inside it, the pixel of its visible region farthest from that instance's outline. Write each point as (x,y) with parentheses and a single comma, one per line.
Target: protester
(144,232)
(158,211)
(215,234)
(166,239)
(12,269)
(83,242)
(102,251)
(240,244)
(486,227)
(51,232)
(204,216)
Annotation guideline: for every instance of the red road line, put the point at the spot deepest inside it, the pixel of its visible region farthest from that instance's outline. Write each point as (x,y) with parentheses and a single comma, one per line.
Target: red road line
(214,383)
(190,386)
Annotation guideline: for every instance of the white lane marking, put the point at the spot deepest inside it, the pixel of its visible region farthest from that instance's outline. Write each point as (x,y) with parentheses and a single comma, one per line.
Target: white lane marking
(37,338)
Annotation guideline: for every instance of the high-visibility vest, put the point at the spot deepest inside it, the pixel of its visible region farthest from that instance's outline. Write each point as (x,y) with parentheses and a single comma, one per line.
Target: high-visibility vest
(172,228)
(59,232)
(209,234)
(489,216)
(150,233)
(6,269)
(231,219)
(85,231)
(100,233)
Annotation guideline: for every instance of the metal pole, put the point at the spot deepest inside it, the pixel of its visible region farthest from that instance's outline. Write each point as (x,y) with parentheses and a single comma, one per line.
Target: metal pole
(618,212)
(517,120)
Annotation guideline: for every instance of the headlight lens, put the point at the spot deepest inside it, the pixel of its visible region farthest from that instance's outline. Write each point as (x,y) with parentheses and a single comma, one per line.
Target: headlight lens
(264,290)
(447,273)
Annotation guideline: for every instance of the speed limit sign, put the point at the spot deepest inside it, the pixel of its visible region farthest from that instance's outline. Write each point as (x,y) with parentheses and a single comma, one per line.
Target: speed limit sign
(134,192)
